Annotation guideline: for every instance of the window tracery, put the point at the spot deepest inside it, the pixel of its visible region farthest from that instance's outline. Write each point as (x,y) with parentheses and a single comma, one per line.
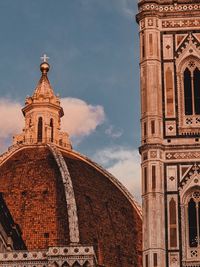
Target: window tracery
(191,223)
(192,89)
(194,219)
(189,94)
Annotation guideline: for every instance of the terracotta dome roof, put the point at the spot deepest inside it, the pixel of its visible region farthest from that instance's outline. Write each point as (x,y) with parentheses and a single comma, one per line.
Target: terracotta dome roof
(100,213)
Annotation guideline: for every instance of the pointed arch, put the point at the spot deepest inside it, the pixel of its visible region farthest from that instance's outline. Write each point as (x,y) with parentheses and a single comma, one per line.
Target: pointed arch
(188,92)
(188,71)
(190,212)
(40,130)
(192,223)
(197,90)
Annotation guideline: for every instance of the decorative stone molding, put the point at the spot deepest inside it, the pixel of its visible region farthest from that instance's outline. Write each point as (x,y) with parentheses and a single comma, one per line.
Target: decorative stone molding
(171,178)
(177,23)
(173,259)
(54,256)
(191,179)
(153,154)
(190,264)
(182,155)
(170,128)
(169,8)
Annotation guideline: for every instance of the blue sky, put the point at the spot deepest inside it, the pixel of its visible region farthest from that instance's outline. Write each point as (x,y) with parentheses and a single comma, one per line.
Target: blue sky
(94,56)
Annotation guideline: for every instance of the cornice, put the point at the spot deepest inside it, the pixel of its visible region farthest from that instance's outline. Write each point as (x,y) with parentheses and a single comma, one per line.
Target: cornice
(162,147)
(44,104)
(168,8)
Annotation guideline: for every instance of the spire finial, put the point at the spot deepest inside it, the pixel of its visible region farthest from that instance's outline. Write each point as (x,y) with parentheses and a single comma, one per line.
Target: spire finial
(44,58)
(44,66)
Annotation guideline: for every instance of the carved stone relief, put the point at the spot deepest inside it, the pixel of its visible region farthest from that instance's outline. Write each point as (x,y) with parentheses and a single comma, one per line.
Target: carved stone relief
(171,178)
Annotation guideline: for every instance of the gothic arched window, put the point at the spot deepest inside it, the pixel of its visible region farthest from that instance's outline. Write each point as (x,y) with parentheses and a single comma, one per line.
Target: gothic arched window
(191,79)
(194,219)
(197,90)
(40,126)
(51,125)
(188,92)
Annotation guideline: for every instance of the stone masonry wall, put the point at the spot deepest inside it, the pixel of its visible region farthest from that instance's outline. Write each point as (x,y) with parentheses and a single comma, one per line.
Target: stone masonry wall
(33,190)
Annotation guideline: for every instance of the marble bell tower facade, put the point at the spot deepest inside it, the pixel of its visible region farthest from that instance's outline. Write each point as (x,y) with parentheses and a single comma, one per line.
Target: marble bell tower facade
(170,121)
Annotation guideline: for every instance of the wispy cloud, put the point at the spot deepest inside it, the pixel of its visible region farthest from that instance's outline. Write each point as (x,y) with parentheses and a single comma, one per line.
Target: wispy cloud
(128,7)
(113,133)
(124,164)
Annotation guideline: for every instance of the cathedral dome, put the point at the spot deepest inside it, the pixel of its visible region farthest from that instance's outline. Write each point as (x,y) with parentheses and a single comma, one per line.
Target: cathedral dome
(106,216)
(61,198)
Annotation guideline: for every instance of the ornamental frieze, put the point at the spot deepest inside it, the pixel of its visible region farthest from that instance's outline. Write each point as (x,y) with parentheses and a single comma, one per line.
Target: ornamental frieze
(192,23)
(182,155)
(170,8)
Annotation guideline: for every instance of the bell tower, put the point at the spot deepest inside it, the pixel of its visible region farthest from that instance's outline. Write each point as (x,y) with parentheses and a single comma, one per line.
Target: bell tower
(170,122)
(43,115)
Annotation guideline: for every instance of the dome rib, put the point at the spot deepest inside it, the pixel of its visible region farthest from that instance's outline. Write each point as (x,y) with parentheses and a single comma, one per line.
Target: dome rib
(5,156)
(112,178)
(69,194)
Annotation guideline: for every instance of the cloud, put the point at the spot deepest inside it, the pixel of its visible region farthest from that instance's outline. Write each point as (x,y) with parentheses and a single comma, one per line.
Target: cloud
(128,8)
(110,131)
(129,12)
(11,118)
(124,164)
(81,118)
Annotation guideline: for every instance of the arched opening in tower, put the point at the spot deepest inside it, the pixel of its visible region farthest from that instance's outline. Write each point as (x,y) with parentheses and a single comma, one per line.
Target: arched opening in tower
(51,125)
(40,126)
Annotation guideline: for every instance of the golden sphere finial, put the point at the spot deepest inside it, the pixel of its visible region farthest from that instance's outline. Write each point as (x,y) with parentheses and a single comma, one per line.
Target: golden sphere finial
(44,67)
